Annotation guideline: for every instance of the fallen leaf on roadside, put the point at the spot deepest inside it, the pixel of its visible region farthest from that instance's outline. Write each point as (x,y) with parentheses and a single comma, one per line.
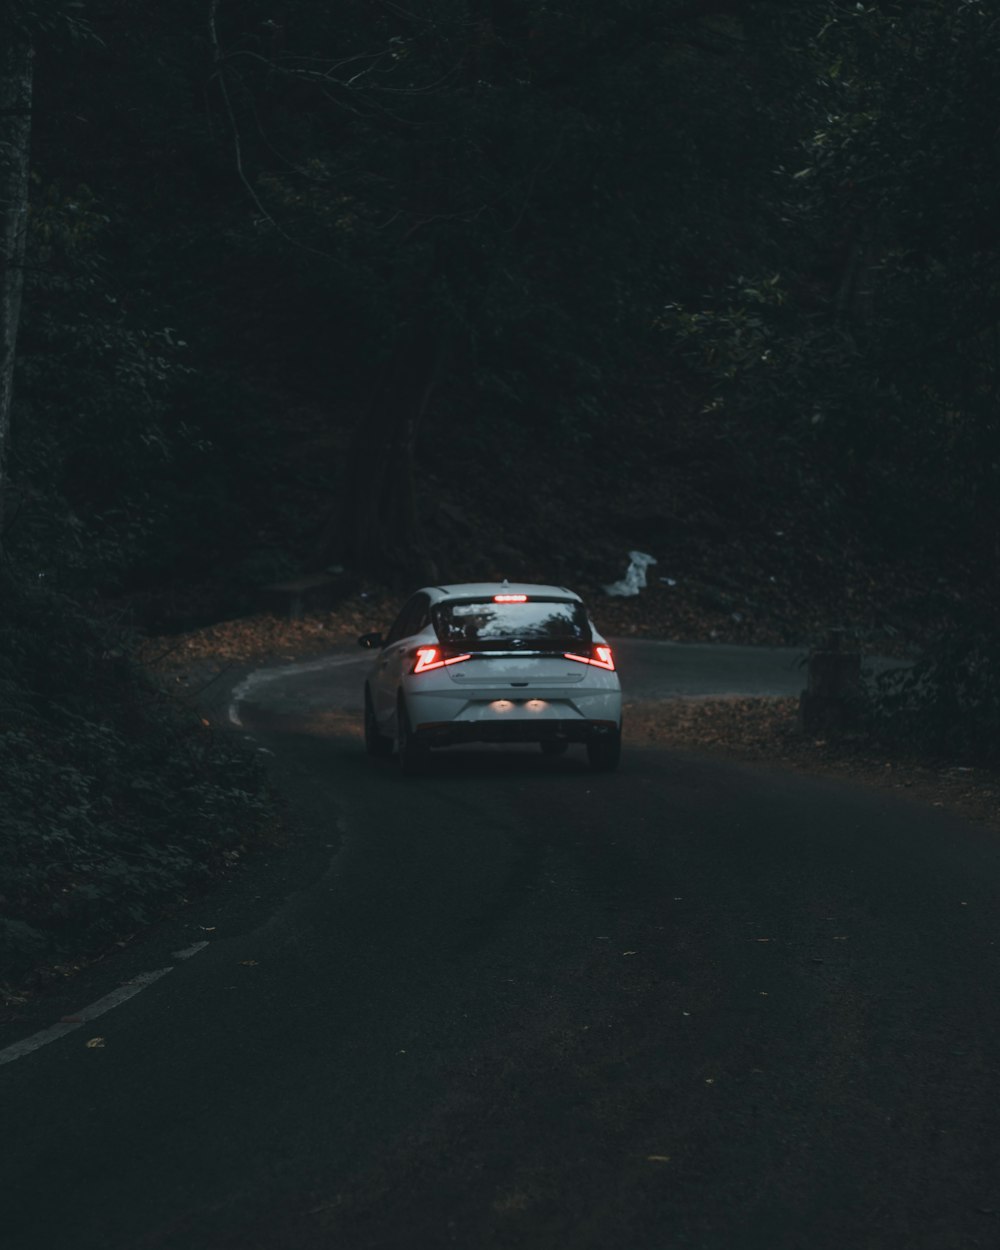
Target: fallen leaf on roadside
(657,1158)
(96,1043)
(515,1201)
(248,963)
(630,952)
(325,1206)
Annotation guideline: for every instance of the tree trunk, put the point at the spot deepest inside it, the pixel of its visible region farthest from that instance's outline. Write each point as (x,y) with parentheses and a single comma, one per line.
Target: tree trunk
(16,55)
(375,530)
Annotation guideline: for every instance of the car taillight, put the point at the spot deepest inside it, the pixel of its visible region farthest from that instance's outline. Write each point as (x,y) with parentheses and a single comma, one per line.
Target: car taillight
(600,656)
(433,657)
(510,598)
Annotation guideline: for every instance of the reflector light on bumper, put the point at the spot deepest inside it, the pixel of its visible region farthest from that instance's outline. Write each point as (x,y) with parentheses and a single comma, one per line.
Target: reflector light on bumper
(600,656)
(432,657)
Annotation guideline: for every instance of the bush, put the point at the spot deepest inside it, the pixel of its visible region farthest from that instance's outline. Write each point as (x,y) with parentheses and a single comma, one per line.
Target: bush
(948,703)
(114,802)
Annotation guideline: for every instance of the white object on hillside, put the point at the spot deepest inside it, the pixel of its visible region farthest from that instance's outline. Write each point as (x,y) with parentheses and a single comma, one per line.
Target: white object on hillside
(635,576)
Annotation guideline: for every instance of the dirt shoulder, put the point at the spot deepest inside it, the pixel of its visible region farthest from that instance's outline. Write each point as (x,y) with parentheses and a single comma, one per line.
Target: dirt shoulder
(765,730)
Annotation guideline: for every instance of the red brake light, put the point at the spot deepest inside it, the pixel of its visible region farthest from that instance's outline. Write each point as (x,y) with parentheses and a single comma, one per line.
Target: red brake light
(510,598)
(431,657)
(600,656)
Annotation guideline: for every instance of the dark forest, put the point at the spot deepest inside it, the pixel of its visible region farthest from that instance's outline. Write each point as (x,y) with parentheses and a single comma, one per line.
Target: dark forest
(469,288)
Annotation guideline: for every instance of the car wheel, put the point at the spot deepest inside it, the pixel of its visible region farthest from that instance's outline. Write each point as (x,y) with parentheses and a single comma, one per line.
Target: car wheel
(412,753)
(376,743)
(553,747)
(603,754)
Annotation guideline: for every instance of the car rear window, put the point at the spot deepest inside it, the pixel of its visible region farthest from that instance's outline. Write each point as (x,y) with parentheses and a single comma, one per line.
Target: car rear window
(484,624)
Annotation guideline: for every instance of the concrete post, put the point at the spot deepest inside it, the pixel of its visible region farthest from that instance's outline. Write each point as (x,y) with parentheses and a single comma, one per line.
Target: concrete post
(834,684)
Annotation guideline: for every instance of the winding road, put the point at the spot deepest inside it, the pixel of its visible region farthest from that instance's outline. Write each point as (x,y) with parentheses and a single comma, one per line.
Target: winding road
(694,1005)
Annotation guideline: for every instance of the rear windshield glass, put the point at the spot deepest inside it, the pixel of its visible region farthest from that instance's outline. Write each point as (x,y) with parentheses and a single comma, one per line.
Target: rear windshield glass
(485,624)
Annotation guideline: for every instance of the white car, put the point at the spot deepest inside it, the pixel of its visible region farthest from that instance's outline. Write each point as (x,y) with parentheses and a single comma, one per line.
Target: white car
(492,662)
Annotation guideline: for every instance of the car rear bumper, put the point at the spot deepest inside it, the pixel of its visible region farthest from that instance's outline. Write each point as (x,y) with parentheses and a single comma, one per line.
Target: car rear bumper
(451,733)
(535,715)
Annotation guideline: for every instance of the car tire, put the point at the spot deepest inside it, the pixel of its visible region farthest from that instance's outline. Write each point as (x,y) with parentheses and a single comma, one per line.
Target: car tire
(554,747)
(604,754)
(412,753)
(376,743)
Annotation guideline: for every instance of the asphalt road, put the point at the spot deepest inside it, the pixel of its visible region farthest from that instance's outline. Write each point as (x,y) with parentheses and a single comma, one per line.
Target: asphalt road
(513,1004)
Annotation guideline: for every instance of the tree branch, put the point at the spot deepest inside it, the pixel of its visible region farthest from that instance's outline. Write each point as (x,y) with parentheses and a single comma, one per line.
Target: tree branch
(238,147)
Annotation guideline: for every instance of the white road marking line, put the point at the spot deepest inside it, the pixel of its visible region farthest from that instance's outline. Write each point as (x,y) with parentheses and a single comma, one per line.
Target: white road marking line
(76,1019)
(261,677)
(188,951)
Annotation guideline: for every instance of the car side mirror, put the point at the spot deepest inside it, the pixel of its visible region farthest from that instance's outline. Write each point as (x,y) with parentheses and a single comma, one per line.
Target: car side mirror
(370,641)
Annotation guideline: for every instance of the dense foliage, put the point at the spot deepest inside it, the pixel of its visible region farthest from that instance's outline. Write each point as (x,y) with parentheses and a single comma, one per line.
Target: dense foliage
(116,802)
(291,248)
